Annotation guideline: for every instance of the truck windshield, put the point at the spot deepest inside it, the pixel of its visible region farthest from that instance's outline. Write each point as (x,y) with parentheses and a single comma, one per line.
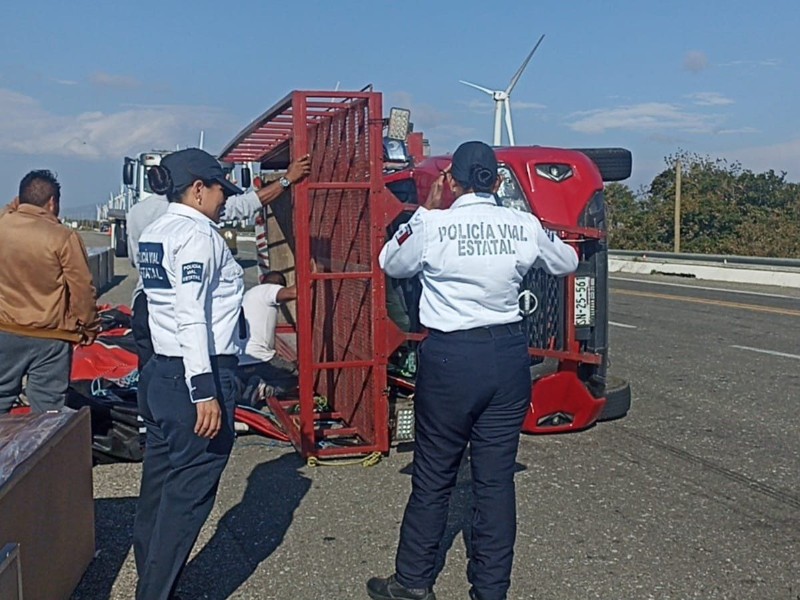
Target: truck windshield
(509,194)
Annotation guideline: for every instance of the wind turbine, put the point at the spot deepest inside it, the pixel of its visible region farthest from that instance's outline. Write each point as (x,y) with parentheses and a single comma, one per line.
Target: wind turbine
(502,100)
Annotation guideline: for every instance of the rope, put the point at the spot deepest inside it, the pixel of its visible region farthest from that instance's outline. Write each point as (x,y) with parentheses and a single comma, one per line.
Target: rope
(368,461)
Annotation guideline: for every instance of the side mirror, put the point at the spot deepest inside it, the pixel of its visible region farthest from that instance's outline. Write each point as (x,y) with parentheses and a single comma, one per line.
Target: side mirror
(395,151)
(127,171)
(246,178)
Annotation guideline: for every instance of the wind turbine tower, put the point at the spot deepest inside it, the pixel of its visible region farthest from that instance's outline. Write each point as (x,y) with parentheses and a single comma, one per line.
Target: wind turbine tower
(502,101)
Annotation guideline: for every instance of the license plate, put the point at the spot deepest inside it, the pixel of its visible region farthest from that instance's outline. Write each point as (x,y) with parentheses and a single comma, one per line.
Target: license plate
(584,301)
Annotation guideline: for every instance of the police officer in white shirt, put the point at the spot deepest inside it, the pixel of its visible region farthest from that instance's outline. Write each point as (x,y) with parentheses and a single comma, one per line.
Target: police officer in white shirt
(188,389)
(239,206)
(473,384)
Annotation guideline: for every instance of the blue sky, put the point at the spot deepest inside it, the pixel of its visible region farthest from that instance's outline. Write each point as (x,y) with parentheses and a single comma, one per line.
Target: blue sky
(84,83)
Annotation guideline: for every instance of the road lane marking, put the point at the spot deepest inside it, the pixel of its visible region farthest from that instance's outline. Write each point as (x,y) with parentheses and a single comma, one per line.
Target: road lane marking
(770,352)
(700,287)
(623,325)
(786,312)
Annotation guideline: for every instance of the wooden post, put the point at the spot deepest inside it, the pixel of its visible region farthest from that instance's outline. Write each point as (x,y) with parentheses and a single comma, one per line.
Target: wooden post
(677,206)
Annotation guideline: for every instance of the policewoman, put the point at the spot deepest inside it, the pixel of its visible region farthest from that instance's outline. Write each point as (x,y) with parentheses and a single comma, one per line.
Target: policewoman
(473,384)
(188,390)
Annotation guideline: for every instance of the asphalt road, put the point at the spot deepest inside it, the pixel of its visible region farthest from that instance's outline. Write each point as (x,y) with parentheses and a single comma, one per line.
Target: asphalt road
(693,495)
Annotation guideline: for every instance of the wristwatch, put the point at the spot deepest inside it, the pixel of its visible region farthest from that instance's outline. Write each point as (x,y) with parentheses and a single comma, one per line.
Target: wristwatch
(284,181)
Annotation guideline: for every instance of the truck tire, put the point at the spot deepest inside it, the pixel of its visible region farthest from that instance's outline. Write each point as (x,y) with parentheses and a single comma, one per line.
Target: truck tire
(618,399)
(614,164)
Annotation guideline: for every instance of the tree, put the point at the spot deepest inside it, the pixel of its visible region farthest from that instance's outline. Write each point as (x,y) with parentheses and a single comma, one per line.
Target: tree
(725,209)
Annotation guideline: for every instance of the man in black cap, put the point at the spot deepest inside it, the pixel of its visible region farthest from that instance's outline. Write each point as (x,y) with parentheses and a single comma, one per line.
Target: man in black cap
(473,384)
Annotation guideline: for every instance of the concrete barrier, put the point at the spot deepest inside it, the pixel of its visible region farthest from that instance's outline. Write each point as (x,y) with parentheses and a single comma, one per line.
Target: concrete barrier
(101,265)
(710,270)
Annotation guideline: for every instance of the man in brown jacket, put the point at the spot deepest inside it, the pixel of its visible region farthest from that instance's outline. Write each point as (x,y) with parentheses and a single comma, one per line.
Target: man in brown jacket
(47,300)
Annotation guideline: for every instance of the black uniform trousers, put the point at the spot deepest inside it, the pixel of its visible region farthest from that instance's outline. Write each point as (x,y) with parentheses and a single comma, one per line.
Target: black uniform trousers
(180,472)
(473,388)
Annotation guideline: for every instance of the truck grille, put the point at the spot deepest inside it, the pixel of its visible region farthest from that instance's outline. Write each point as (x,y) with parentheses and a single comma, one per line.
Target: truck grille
(545,325)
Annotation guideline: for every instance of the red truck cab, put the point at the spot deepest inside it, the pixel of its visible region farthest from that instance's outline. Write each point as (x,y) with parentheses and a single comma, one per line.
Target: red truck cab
(566,319)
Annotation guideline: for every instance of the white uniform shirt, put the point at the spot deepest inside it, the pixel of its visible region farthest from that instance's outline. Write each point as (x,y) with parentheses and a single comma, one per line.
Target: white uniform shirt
(194,293)
(471,259)
(261,314)
(146,211)
(141,214)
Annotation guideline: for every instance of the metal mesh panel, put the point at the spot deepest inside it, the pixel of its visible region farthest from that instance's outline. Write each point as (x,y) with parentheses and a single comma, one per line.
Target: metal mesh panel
(343,321)
(335,217)
(342,310)
(340,144)
(340,229)
(545,327)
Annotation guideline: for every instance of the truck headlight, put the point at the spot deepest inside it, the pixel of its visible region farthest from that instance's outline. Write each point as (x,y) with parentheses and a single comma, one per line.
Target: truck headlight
(520,204)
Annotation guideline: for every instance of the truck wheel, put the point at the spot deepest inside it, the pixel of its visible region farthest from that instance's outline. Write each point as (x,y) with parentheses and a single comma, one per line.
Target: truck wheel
(618,399)
(614,164)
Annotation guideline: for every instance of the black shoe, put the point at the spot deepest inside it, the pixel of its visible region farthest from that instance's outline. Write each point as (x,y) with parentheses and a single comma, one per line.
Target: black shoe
(387,588)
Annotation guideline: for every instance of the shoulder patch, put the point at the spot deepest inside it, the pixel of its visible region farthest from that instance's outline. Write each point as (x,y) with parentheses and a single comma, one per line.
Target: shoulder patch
(403,233)
(192,271)
(151,266)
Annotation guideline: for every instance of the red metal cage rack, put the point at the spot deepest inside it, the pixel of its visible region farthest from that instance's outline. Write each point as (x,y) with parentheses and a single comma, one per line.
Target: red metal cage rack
(337,217)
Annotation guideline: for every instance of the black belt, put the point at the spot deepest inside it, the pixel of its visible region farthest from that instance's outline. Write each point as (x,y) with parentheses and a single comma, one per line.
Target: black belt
(225,361)
(482,333)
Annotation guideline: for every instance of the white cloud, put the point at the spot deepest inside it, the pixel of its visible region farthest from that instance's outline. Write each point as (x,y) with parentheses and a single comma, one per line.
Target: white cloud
(424,116)
(768,62)
(487,106)
(480,106)
(648,117)
(29,128)
(103,79)
(65,81)
(439,127)
(695,61)
(737,130)
(526,105)
(709,99)
(783,156)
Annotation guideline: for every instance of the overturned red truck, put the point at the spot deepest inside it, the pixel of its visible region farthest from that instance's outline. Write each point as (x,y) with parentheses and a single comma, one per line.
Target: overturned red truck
(355,354)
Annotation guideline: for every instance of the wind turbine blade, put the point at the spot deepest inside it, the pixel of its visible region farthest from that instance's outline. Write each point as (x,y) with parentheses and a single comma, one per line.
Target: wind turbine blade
(477,87)
(509,125)
(518,74)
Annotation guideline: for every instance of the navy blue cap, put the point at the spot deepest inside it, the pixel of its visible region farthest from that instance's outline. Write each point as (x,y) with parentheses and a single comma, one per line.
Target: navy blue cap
(474,165)
(187,166)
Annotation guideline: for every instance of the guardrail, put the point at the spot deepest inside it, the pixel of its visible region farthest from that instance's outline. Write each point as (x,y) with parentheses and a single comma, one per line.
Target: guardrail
(731,259)
(784,272)
(101,265)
